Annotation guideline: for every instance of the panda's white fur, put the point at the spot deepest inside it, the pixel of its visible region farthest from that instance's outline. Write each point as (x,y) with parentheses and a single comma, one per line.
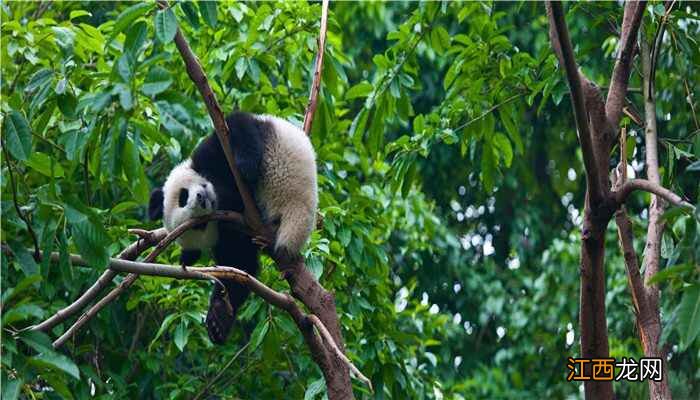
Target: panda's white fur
(184,177)
(287,187)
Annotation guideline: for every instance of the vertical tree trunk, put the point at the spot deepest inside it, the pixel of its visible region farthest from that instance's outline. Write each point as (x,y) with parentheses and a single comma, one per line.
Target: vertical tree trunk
(594,328)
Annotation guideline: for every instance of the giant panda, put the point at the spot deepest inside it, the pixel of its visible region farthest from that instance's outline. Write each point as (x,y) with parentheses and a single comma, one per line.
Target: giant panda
(278,164)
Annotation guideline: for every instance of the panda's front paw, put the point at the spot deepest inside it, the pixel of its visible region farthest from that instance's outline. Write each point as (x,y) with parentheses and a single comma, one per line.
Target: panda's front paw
(261,241)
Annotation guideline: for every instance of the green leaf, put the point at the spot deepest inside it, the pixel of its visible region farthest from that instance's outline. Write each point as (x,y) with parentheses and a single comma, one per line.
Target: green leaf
(124,67)
(157,81)
(92,241)
(128,16)
(39,79)
(135,38)
(689,316)
(22,313)
(190,13)
(488,167)
(208,10)
(241,67)
(693,167)
(669,273)
(125,98)
(181,335)
(18,136)
(166,25)
(78,13)
(375,135)
(58,362)
(502,144)
(362,89)
(11,388)
(67,103)
(23,285)
(74,142)
(259,334)
(163,326)
(45,165)
(314,389)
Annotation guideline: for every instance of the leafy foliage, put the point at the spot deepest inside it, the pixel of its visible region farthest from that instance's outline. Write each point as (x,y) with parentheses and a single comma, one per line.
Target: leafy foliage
(451,190)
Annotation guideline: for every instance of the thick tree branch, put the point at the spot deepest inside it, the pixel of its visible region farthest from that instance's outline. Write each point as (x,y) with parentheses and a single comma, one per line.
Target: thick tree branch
(631,21)
(559,36)
(642,184)
(316,85)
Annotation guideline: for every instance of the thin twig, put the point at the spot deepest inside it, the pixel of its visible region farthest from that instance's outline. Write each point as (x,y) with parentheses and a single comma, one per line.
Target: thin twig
(221,371)
(656,50)
(487,112)
(37,251)
(316,84)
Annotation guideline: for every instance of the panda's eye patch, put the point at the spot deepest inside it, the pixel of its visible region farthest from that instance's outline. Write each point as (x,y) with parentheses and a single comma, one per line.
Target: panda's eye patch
(182,201)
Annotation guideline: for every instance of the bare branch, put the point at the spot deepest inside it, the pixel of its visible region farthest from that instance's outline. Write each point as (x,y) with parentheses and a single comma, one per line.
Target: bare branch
(559,36)
(316,85)
(328,339)
(233,217)
(631,21)
(642,184)
(130,253)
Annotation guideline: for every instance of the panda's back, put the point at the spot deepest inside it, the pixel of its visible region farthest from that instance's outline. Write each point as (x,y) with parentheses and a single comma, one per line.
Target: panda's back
(288,172)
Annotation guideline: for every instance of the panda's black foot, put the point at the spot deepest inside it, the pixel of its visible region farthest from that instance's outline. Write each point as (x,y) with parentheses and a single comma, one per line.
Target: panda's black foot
(220,317)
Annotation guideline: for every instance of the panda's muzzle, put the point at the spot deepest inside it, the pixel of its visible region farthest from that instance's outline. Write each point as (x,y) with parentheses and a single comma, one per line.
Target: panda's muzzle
(202,200)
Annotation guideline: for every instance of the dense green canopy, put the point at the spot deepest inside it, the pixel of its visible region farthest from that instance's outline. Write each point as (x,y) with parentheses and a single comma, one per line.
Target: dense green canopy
(451,192)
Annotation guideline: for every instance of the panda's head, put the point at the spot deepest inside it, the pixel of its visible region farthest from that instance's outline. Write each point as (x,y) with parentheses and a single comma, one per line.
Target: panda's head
(185,194)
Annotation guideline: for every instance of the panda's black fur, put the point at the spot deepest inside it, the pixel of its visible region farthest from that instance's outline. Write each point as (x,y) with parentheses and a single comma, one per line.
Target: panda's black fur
(277,162)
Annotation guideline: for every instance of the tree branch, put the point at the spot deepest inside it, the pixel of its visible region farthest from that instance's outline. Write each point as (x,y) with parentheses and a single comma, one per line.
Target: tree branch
(20,214)
(328,339)
(316,85)
(277,299)
(642,184)
(130,253)
(559,36)
(233,217)
(631,21)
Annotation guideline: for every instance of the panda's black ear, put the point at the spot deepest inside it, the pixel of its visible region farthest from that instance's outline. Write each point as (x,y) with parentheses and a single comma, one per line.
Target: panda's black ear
(155,205)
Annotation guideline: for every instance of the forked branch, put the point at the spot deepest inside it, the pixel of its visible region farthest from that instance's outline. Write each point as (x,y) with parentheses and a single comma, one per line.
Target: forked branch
(642,184)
